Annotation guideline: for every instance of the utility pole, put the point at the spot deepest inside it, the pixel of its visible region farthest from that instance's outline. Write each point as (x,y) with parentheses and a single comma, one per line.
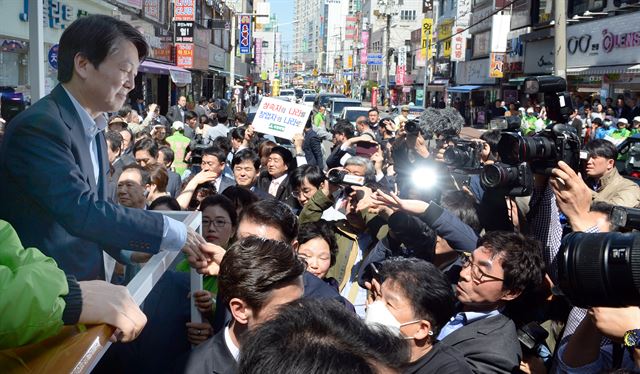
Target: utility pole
(232,54)
(36,50)
(386,57)
(560,38)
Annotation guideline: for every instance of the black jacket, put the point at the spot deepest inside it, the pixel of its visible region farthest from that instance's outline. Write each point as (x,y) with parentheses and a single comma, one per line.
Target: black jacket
(212,356)
(284,189)
(441,359)
(312,147)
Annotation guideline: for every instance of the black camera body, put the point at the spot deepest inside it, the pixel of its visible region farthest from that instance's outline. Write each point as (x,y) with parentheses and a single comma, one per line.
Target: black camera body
(197,147)
(343,178)
(512,180)
(412,127)
(531,336)
(543,150)
(464,154)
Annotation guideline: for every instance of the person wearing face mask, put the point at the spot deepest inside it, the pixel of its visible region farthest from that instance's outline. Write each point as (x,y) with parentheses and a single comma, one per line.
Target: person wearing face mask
(414,301)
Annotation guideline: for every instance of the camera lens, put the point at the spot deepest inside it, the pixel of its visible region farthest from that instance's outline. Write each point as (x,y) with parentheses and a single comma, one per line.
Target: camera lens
(600,269)
(509,148)
(456,156)
(494,175)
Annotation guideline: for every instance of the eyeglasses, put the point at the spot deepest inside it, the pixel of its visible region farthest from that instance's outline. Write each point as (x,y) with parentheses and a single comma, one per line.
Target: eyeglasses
(476,273)
(298,194)
(219,223)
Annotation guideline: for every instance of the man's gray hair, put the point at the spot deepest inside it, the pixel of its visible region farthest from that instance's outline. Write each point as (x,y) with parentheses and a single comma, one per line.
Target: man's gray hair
(370,171)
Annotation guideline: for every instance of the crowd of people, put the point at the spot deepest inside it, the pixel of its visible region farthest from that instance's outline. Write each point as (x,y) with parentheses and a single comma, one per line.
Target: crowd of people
(365,256)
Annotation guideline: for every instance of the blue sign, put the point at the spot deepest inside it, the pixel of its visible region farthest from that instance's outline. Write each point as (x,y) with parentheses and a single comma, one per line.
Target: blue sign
(245,34)
(374,59)
(53,57)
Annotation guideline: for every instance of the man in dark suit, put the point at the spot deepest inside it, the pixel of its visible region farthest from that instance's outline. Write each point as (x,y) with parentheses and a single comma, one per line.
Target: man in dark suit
(275,180)
(245,165)
(256,277)
(342,131)
(54,164)
(176,112)
(506,266)
(214,159)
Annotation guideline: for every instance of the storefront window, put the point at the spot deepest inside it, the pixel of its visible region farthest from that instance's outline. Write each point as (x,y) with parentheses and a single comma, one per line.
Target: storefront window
(13,62)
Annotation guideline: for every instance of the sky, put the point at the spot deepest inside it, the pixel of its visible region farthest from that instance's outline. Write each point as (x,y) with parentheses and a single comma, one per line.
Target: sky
(284,10)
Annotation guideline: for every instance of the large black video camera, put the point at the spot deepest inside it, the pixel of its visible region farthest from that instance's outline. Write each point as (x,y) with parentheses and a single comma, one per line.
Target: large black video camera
(602,269)
(463,154)
(197,147)
(543,150)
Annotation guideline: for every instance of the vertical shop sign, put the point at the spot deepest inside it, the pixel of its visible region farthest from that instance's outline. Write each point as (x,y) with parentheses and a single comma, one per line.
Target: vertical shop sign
(245,34)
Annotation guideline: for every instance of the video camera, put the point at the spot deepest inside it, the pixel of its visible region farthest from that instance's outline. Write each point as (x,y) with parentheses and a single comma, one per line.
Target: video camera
(602,269)
(344,179)
(197,147)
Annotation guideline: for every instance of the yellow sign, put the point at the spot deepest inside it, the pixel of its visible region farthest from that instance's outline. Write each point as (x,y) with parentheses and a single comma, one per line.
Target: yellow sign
(350,62)
(444,35)
(497,65)
(426,37)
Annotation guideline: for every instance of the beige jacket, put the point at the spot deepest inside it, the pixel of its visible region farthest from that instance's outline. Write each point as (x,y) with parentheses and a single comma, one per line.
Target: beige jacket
(617,190)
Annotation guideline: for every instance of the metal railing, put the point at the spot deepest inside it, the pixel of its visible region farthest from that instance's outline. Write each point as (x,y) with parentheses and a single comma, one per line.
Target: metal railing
(78,349)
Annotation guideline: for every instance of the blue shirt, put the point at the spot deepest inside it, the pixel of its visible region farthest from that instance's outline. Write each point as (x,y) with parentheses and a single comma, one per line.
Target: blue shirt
(174,233)
(462,319)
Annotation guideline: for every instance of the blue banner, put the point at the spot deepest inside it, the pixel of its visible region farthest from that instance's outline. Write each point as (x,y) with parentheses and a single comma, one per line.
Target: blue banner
(245,34)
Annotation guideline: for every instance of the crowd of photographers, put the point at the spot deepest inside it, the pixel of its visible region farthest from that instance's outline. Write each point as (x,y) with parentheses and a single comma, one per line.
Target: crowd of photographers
(400,247)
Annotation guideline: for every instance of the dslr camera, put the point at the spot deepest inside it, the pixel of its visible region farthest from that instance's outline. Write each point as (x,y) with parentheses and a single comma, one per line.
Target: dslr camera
(464,154)
(197,147)
(602,269)
(513,180)
(543,150)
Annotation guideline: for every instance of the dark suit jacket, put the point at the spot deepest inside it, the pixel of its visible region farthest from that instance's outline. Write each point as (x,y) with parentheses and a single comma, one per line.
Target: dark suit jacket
(225,183)
(489,345)
(212,356)
(174,183)
(333,161)
(312,147)
(49,195)
(284,189)
(174,114)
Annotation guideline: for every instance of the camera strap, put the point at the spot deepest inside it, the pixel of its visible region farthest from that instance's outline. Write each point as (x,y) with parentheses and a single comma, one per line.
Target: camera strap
(617,355)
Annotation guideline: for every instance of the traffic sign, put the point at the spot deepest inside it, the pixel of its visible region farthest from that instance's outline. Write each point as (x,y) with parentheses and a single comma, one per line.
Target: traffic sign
(374,59)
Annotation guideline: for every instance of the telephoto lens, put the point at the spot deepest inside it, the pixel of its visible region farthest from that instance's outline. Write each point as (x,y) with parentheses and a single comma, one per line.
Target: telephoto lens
(600,269)
(515,180)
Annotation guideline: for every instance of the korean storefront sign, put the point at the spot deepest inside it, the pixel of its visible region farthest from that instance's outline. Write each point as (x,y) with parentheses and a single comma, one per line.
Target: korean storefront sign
(184,55)
(426,37)
(245,34)
(184,10)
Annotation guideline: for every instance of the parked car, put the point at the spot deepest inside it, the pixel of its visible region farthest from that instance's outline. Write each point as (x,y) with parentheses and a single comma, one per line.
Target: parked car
(414,111)
(299,93)
(308,99)
(351,113)
(323,99)
(291,94)
(308,91)
(336,105)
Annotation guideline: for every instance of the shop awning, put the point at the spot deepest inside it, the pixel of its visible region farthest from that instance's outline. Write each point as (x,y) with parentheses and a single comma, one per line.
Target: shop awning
(178,75)
(225,73)
(601,70)
(463,89)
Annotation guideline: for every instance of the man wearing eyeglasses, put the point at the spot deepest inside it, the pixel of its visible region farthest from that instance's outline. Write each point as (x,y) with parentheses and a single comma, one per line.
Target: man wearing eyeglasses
(505,266)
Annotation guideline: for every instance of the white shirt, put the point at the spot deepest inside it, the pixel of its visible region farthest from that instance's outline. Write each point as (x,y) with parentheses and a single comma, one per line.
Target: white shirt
(275,184)
(235,351)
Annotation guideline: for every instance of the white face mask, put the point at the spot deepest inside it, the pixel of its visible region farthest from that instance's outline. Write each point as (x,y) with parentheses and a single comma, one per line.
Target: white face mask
(378,315)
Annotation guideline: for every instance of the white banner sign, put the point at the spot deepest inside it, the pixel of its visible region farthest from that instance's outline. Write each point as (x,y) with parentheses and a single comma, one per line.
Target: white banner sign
(280,118)
(499,31)
(458,44)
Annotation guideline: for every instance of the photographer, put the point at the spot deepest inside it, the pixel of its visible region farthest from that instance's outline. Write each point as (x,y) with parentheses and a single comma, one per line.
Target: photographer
(342,131)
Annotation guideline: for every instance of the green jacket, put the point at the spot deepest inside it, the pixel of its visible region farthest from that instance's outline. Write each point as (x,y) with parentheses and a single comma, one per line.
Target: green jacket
(179,144)
(32,288)
(346,236)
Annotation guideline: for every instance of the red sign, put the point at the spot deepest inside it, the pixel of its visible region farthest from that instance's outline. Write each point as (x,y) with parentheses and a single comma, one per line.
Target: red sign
(184,10)
(184,55)
(400,72)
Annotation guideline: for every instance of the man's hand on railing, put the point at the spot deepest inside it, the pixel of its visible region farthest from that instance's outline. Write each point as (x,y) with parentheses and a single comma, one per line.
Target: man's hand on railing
(213,256)
(103,302)
(192,251)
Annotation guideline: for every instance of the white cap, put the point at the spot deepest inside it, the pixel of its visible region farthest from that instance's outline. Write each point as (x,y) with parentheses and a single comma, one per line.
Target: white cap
(623,120)
(530,110)
(177,125)
(636,119)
